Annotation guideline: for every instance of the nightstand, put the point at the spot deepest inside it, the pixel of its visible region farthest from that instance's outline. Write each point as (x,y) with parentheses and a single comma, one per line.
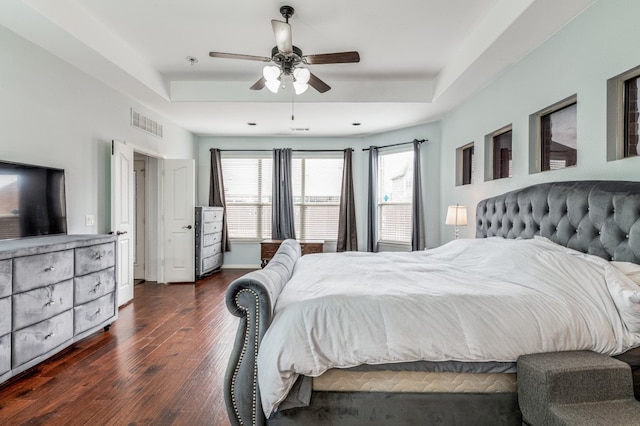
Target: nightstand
(268,249)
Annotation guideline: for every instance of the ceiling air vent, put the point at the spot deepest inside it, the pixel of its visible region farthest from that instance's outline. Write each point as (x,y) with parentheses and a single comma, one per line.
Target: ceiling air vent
(145,124)
(299,129)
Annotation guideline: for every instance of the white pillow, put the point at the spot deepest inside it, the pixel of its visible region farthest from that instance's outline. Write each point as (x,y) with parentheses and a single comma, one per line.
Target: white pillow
(631,270)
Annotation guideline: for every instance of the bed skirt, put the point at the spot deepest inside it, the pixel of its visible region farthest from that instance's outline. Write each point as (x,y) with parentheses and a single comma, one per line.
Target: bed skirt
(360,408)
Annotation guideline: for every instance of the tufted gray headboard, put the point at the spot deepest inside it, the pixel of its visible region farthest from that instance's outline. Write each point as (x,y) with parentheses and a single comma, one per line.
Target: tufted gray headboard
(596,217)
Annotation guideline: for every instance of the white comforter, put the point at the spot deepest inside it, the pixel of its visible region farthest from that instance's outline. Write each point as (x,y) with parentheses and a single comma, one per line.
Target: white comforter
(470,300)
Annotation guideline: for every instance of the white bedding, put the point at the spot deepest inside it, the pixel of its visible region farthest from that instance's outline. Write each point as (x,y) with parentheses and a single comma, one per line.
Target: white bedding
(486,299)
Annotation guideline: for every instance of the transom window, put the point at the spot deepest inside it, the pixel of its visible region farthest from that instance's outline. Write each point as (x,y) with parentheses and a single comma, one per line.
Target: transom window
(631,116)
(559,141)
(316,196)
(465,164)
(501,154)
(395,189)
(553,136)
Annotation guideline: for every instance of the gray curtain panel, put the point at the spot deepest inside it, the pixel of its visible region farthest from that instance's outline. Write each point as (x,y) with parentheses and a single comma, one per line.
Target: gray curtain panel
(372,202)
(282,219)
(347,231)
(216,194)
(417,209)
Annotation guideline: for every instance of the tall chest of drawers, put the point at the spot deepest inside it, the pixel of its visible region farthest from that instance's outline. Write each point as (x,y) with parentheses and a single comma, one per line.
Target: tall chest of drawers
(209,254)
(54,291)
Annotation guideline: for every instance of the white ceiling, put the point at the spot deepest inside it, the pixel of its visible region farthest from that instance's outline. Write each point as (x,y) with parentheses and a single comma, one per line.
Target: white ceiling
(419,58)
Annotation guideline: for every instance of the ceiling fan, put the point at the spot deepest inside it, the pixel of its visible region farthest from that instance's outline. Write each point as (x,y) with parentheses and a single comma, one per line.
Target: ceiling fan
(288,58)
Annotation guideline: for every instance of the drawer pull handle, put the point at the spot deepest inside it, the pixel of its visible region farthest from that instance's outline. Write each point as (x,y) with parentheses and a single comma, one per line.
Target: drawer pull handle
(50,268)
(94,316)
(98,256)
(95,287)
(50,302)
(51,334)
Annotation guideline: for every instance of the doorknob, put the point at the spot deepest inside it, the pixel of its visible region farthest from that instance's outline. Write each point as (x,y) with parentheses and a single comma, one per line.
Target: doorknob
(121,232)
(187,227)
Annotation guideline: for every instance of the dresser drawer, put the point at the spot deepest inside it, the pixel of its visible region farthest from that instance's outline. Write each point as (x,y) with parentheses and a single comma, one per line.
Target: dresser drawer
(212,215)
(92,286)
(211,250)
(36,305)
(93,313)
(40,338)
(211,239)
(5,277)
(5,315)
(5,353)
(94,258)
(211,227)
(212,262)
(42,269)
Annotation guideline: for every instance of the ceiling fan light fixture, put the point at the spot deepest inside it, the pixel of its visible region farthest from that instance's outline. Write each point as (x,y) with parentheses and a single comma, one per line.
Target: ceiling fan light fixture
(300,80)
(301,75)
(272,85)
(300,88)
(271,74)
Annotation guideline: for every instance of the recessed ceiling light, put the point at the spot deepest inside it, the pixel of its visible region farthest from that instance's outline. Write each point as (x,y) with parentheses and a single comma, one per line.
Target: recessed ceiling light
(355,124)
(251,123)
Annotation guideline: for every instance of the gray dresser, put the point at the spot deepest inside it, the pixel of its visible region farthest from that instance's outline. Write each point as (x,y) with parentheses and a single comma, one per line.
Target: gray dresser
(54,291)
(208,240)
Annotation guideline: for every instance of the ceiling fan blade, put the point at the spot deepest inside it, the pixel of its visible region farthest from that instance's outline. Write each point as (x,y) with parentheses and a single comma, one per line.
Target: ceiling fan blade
(318,84)
(282,31)
(332,58)
(259,85)
(237,56)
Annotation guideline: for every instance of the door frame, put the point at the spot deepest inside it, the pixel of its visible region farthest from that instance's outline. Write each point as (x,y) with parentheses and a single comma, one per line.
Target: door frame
(154,252)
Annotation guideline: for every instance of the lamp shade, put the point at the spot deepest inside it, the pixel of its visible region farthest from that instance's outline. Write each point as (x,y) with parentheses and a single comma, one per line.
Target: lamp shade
(456,215)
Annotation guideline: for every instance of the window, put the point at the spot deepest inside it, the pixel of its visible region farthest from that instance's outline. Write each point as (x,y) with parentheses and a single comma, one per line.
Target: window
(623,117)
(395,189)
(316,188)
(554,144)
(317,183)
(247,192)
(501,142)
(631,116)
(465,165)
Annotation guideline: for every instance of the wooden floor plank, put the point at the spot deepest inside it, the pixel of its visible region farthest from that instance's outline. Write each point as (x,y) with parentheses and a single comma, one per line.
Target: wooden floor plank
(161,363)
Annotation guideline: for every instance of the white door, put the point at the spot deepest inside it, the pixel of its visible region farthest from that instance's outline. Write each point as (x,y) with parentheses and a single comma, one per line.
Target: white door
(141,211)
(178,220)
(122,218)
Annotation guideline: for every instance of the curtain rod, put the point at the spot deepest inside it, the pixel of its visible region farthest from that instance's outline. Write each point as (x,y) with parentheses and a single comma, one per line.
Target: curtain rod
(396,144)
(270,150)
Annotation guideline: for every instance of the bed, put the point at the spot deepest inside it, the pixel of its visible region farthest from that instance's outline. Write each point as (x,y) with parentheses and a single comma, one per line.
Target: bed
(434,336)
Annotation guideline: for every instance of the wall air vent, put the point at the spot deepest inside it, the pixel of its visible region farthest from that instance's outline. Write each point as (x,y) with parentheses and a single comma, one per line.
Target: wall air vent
(145,124)
(299,129)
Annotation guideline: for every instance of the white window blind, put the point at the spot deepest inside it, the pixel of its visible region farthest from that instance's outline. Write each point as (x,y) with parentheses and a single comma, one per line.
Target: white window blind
(395,186)
(247,191)
(316,196)
(317,183)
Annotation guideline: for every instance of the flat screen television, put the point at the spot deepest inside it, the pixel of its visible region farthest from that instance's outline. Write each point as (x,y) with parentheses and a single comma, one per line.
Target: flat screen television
(32,201)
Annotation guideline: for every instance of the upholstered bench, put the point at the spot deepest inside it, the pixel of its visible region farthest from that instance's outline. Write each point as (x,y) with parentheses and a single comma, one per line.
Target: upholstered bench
(576,388)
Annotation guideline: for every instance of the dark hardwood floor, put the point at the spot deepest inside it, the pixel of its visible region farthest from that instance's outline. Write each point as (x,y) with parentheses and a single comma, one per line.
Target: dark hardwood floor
(161,363)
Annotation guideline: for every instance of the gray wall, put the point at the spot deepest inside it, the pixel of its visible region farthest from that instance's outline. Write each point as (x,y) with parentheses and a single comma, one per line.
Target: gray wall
(52,114)
(599,44)
(248,254)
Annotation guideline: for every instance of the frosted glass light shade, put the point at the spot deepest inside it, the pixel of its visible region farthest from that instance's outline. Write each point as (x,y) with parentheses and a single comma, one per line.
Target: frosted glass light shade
(300,79)
(271,74)
(456,215)
(302,75)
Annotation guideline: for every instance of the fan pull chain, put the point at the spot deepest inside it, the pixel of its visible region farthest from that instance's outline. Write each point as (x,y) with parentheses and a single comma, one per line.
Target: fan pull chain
(292,108)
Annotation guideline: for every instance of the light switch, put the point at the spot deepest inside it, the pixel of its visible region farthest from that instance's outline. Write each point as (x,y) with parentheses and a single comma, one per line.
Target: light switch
(90,220)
